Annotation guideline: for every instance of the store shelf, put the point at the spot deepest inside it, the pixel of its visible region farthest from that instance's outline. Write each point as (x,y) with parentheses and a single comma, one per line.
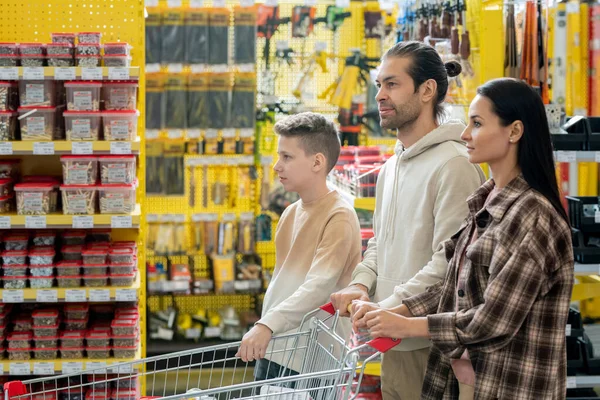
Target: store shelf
(72,221)
(575,156)
(70,73)
(43,367)
(373,368)
(66,147)
(583,381)
(587,269)
(361,203)
(83,294)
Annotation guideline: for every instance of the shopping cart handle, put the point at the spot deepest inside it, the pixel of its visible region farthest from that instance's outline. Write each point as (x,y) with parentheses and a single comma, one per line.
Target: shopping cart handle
(328,308)
(384,344)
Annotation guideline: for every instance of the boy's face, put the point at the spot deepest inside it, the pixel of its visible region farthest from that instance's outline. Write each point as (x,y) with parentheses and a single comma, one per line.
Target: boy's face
(295,169)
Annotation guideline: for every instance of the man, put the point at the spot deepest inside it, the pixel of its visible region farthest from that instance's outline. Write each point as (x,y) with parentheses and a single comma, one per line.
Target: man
(420,202)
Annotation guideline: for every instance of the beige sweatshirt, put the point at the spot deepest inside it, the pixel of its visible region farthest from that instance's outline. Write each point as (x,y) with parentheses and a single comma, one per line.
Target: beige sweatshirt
(420,202)
(318,245)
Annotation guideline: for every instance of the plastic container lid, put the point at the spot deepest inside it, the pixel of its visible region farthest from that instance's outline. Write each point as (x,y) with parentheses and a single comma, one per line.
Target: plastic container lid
(73,234)
(67,45)
(72,335)
(94,276)
(97,335)
(45,348)
(41,178)
(45,337)
(41,266)
(78,156)
(84,320)
(73,248)
(69,276)
(51,327)
(121,83)
(82,113)
(76,307)
(78,187)
(8,113)
(128,393)
(94,252)
(19,336)
(121,251)
(83,83)
(14,253)
(123,323)
(119,112)
(131,275)
(114,157)
(117,186)
(126,244)
(15,266)
(68,264)
(71,348)
(52,313)
(33,56)
(125,347)
(62,34)
(99,245)
(16,238)
(33,186)
(45,234)
(4,181)
(42,252)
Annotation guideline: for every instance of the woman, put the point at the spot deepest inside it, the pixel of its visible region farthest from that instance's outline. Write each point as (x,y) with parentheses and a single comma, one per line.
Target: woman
(497,322)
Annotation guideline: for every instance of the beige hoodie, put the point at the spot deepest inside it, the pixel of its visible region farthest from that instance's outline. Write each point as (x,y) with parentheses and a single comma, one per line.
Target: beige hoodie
(420,202)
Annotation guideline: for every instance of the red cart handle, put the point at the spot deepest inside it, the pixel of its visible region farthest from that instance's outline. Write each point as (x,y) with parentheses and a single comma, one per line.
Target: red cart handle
(380,344)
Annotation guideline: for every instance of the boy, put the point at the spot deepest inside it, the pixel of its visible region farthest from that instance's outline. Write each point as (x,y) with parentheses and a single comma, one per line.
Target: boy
(317,240)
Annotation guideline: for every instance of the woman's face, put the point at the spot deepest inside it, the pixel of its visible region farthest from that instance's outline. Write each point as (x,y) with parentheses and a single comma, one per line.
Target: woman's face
(487,140)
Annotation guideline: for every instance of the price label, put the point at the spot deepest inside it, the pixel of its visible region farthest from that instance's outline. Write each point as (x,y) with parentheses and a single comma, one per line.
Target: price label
(310,3)
(241,285)
(152,68)
(13,296)
(566,156)
(212,331)
(75,295)
(9,73)
(175,68)
(83,221)
(99,295)
(246,3)
(174,3)
(35,222)
(72,367)
(193,133)
(46,296)
(175,133)
(120,148)
(91,73)
(272,3)
(4,222)
(95,365)
(19,368)
(43,148)
(193,333)
(121,369)
(33,73)
(121,221)
(218,3)
(152,134)
(64,74)
(126,295)
(6,148)
(196,3)
(43,368)
(82,148)
(342,3)
(118,73)
(386,5)
(571,382)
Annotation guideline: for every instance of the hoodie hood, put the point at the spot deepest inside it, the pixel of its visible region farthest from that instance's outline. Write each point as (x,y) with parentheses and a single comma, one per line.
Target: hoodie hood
(450,131)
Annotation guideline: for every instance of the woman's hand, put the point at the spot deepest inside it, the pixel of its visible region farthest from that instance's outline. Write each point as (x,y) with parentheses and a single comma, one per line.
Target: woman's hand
(384,323)
(359,310)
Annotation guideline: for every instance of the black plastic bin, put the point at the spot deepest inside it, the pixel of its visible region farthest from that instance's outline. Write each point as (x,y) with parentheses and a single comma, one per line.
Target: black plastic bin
(594,133)
(584,254)
(576,137)
(582,213)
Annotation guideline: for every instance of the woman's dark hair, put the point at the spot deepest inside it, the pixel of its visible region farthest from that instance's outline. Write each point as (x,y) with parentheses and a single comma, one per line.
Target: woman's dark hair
(426,64)
(514,100)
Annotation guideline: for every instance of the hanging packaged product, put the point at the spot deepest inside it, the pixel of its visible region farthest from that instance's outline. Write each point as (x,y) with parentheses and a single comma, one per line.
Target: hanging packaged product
(374,24)
(176,101)
(198,113)
(218,33)
(174,168)
(245,35)
(219,89)
(82,125)
(173,36)
(226,244)
(223,267)
(211,142)
(83,96)
(206,232)
(155,86)
(303,21)
(196,34)
(245,144)
(155,178)
(153,35)
(243,101)
(37,93)
(229,141)
(246,234)
(220,188)
(37,123)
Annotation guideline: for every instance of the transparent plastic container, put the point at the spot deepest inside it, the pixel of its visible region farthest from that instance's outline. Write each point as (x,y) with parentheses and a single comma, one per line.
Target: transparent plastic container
(89,37)
(71,353)
(117,61)
(19,340)
(10,169)
(116,199)
(120,125)
(105,246)
(121,327)
(6,204)
(45,342)
(87,49)
(117,169)
(16,242)
(7,60)
(31,49)
(14,257)
(19,354)
(83,95)
(42,271)
(121,255)
(73,238)
(82,125)
(39,125)
(68,268)
(41,282)
(130,244)
(72,339)
(69,281)
(76,311)
(45,317)
(44,238)
(95,257)
(78,199)
(124,394)
(59,49)
(97,395)
(95,280)
(15,282)
(6,186)
(33,60)
(61,61)
(63,38)
(46,331)
(100,235)
(33,198)
(37,93)
(122,280)
(98,353)
(117,48)
(72,253)
(76,324)
(14,270)
(124,352)
(121,268)
(8,125)
(120,95)
(45,354)
(71,395)
(23,324)
(97,339)
(125,341)
(41,256)
(7,48)
(9,96)
(87,61)
(100,269)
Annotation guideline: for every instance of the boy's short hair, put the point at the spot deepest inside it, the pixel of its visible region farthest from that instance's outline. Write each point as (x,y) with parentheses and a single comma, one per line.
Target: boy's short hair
(316,134)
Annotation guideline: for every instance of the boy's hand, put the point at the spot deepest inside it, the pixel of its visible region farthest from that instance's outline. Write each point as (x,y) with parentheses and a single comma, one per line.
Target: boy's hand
(342,299)
(254,344)
(359,309)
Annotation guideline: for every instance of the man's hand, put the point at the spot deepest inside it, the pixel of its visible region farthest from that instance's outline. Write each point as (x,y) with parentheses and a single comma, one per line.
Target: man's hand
(359,309)
(342,299)
(254,344)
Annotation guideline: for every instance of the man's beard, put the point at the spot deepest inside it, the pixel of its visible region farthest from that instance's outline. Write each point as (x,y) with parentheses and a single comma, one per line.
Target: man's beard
(404,116)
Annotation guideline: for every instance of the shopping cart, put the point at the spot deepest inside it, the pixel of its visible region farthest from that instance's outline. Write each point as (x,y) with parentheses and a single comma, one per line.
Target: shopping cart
(329,370)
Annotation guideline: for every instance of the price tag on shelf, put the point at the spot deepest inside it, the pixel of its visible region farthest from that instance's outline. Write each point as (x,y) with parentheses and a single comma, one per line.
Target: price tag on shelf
(571,382)
(121,221)
(43,148)
(196,3)
(212,331)
(193,133)
(272,3)
(72,367)
(121,369)
(46,296)
(91,74)
(82,148)
(65,73)
(75,295)
(566,156)
(120,148)
(43,368)
(35,222)
(19,368)
(241,285)
(342,3)
(99,295)
(95,365)
(175,68)
(4,222)
(126,295)
(83,221)
(118,73)
(13,296)
(174,3)
(33,73)
(310,3)
(152,68)
(152,134)
(9,73)
(246,3)
(6,148)
(175,133)
(151,3)
(219,3)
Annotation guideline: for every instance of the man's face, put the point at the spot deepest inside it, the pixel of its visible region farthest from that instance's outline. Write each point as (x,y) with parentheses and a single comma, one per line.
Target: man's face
(399,104)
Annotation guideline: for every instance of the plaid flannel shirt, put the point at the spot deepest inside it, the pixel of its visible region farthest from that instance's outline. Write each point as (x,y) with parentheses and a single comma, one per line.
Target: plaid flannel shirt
(518,277)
